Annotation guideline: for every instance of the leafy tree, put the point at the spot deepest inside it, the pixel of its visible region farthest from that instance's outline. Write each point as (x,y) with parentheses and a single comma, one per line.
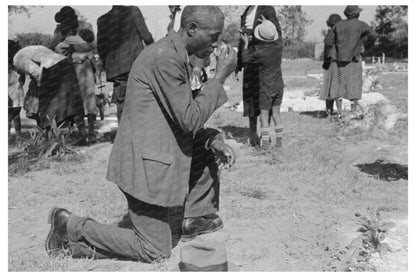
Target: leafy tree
(13,9)
(232,23)
(293,22)
(26,39)
(391,24)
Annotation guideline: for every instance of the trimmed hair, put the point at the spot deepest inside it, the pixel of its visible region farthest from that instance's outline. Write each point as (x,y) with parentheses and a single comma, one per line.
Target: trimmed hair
(204,16)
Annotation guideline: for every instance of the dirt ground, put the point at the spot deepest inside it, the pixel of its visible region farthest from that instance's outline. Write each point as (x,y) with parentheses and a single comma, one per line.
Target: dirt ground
(294,209)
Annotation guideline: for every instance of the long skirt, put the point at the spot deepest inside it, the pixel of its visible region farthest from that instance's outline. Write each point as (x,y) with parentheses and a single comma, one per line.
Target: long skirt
(331,85)
(351,80)
(86,81)
(59,94)
(251,90)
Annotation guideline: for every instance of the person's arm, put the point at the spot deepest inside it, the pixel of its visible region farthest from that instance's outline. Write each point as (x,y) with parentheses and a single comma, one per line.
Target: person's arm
(239,66)
(27,65)
(141,27)
(172,89)
(102,40)
(22,78)
(369,36)
(246,57)
(214,140)
(56,38)
(329,42)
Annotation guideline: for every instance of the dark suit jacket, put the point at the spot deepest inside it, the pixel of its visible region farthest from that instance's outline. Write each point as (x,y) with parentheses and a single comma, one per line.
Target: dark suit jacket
(120,37)
(270,14)
(152,151)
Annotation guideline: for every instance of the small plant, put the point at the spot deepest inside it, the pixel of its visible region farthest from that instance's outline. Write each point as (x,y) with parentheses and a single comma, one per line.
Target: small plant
(42,148)
(55,140)
(373,231)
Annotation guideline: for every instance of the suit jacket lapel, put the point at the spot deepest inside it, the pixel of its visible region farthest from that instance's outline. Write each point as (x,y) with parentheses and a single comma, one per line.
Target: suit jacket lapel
(257,17)
(243,17)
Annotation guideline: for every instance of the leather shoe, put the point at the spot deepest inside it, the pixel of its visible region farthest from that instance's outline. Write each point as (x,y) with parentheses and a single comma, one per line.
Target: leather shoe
(57,239)
(194,226)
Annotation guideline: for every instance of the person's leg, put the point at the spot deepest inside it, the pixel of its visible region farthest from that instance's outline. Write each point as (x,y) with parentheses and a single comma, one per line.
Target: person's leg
(120,86)
(91,132)
(202,202)
(10,118)
(148,239)
(254,138)
(14,115)
(329,106)
(338,102)
(354,104)
(251,100)
(264,128)
(79,120)
(278,125)
(17,122)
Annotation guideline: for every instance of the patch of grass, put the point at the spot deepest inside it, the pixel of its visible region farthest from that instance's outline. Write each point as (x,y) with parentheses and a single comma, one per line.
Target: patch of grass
(255,193)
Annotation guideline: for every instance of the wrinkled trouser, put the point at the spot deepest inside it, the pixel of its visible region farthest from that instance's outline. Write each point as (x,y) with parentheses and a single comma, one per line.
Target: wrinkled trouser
(119,92)
(154,230)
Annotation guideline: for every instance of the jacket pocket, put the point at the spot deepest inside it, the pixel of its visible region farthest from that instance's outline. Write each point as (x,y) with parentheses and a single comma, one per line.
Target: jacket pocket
(158,171)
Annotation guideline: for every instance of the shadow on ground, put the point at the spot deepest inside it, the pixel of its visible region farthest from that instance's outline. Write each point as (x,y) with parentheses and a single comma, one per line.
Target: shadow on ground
(315,114)
(239,134)
(385,171)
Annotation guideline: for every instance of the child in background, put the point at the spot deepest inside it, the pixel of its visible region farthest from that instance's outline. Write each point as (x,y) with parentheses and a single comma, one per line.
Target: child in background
(268,55)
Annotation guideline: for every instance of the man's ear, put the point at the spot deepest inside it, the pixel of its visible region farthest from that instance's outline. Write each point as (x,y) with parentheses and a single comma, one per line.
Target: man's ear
(191,28)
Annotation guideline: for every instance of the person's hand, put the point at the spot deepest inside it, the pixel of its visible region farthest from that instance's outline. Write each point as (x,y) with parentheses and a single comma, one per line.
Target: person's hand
(196,71)
(68,51)
(224,152)
(262,18)
(226,63)
(235,76)
(244,37)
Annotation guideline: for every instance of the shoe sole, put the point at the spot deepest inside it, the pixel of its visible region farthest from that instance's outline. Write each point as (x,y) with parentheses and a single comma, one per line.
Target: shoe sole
(186,238)
(50,221)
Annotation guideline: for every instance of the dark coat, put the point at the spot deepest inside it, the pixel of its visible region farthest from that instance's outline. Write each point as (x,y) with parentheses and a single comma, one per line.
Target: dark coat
(268,57)
(120,37)
(349,37)
(152,151)
(270,14)
(329,49)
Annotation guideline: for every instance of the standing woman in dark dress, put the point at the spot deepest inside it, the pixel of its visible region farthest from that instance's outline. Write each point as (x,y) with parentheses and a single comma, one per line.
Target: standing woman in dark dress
(81,55)
(350,35)
(330,90)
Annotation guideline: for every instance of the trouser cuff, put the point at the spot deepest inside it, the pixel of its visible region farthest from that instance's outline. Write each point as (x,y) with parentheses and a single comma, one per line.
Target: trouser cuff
(200,212)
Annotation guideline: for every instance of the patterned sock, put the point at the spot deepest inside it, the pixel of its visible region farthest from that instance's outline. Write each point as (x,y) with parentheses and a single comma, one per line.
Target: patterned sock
(279,136)
(265,138)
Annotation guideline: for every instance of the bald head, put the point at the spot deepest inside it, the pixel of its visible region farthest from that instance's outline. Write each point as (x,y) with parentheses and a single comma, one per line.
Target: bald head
(204,16)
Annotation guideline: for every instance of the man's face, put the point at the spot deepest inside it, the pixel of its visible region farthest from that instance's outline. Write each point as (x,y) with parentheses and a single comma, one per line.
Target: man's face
(205,40)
